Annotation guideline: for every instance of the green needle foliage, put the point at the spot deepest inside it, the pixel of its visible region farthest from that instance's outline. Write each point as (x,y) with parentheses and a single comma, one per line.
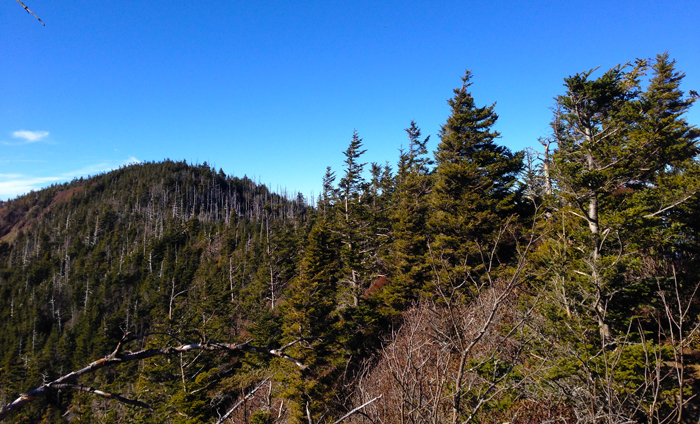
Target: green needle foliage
(472,193)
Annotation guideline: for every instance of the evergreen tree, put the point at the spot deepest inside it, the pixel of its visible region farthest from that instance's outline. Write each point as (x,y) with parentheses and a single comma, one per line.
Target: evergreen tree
(625,161)
(619,164)
(352,183)
(408,261)
(473,184)
(671,145)
(312,295)
(353,223)
(330,193)
(309,313)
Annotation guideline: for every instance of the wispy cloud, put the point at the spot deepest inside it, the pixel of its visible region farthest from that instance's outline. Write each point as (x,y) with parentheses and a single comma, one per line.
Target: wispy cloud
(13,185)
(13,160)
(30,136)
(98,168)
(132,161)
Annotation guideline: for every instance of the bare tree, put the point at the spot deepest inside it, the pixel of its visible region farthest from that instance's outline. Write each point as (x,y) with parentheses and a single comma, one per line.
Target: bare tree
(680,333)
(457,353)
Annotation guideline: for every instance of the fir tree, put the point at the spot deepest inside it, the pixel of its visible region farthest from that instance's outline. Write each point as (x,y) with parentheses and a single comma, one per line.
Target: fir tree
(330,193)
(624,163)
(354,223)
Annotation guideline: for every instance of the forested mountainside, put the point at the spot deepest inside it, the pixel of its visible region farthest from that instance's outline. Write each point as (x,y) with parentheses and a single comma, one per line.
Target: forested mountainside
(471,285)
(141,249)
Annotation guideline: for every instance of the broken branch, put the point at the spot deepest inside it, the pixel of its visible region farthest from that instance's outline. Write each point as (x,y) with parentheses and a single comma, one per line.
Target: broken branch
(29,11)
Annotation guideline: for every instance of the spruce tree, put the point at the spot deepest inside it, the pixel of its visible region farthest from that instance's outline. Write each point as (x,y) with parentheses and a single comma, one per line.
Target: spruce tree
(352,183)
(624,164)
(625,157)
(354,223)
(310,313)
(473,189)
(408,262)
(666,134)
(329,195)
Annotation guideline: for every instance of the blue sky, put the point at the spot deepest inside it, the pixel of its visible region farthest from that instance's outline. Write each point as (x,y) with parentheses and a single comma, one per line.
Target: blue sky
(274,89)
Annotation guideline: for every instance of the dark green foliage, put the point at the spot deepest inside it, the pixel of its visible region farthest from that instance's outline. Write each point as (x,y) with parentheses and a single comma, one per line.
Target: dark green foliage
(310,314)
(625,161)
(408,259)
(351,185)
(313,294)
(472,193)
(625,157)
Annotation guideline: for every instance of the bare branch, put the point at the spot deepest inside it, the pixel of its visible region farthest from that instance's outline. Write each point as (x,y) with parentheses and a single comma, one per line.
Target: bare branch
(673,205)
(128,338)
(97,392)
(299,340)
(580,216)
(117,358)
(240,402)
(29,11)
(356,410)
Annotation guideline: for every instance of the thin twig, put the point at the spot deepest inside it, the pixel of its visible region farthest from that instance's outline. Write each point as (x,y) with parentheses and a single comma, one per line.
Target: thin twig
(673,205)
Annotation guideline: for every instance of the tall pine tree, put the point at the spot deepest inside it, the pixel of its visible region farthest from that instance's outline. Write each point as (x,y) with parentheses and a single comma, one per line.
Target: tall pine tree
(624,164)
(310,314)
